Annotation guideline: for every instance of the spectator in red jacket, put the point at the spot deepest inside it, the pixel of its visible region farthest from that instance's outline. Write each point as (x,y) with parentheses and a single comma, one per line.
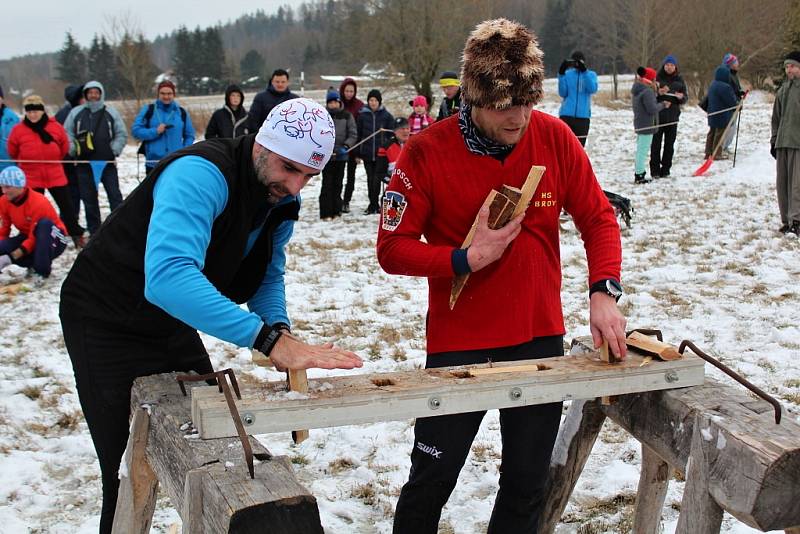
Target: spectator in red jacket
(35,141)
(511,307)
(41,233)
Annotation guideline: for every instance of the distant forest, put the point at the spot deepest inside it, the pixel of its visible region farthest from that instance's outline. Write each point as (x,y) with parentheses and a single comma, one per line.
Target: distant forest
(419,38)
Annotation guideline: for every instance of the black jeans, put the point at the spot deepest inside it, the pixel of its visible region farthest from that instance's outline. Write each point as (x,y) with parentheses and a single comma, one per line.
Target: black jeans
(352,165)
(106,358)
(373,186)
(88,193)
(330,194)
(66,211)
(660,165)
(580,127)
(441,446)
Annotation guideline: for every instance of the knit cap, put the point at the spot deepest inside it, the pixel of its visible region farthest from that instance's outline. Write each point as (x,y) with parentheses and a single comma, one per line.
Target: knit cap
(420,100)
(166,83)
(12,177)
(670,59)
(449,78)
(792,58)
(332,95)
(729,59)
(300,130)
(377,94)
(647,73)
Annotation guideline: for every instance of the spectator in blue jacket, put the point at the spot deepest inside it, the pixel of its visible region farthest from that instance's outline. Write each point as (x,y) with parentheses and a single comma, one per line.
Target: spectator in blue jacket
(372,118)
(8,119)
(163,126)
(576,85)
(721,96)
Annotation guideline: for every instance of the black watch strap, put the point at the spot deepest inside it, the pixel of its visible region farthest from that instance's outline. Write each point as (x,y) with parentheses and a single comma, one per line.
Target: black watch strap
(609,286)
(266,339)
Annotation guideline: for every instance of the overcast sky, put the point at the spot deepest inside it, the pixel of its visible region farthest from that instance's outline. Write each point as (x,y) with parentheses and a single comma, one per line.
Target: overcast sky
(40,27)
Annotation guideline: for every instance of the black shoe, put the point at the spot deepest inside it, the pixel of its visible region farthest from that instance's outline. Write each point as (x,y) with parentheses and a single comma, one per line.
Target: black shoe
(795,229)
(370,211)
(784,228)
(665,174)
(640,179)
(346,207)
(655,174)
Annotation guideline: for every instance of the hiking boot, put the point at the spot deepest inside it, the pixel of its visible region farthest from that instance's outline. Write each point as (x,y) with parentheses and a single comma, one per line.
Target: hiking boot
(346,207)
(665,174)
(655,174)
(784,228)
(640,178)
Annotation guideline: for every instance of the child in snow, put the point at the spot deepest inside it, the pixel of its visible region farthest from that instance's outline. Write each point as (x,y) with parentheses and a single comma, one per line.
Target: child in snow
(645,117)
(420,119)
(41,233)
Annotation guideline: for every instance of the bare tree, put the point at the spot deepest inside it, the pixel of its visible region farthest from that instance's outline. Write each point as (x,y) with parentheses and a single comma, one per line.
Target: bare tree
(604,25)
(135,64)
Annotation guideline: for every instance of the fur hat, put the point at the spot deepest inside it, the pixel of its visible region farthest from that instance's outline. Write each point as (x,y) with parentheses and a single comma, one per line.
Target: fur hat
(33,102)
(501,66)
(792,57)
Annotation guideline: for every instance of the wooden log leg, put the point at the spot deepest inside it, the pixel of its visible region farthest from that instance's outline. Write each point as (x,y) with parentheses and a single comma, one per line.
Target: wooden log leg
(793,530)
(575,440)
(137,488)
(700,513)
(298,381)
(192,512)
(653,485)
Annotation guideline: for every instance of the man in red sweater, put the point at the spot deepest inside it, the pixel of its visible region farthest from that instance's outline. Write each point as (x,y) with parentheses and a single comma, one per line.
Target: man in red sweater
(41,233)
(511,307)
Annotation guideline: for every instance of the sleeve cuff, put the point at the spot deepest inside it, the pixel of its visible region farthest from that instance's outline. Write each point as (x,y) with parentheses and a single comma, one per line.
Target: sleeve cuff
(458,259)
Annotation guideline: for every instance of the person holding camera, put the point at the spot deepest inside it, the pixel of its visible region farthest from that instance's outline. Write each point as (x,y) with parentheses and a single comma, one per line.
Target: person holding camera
(96,132)
(163,126)
(576,85)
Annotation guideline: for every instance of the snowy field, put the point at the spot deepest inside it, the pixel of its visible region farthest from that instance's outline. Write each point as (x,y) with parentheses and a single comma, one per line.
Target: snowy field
(703,261)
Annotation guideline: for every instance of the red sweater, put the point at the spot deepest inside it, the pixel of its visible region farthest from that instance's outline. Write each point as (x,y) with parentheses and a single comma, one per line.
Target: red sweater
(25,216)
(25,144)
(440,187)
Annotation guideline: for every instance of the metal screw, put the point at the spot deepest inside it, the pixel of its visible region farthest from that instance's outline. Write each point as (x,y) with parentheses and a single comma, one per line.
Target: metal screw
(515,393)
(248,419)
(671,376)
(434,403)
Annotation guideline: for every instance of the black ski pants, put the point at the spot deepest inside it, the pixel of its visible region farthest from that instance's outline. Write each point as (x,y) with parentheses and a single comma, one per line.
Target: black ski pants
(330,194)
(441,446)
(660,164)
(106,358)
(373,186)
(352,165)
(579,126)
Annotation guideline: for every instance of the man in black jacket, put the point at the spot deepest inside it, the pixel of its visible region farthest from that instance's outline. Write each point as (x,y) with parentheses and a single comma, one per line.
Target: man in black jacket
(276,92)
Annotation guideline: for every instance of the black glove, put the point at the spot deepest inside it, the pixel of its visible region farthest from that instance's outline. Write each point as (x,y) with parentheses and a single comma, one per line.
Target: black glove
(772,151)
(564,66)
(581,65)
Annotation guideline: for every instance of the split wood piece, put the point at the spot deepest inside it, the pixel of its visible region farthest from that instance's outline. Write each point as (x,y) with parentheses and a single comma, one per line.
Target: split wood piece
(651,345)
(608,357)
(207,480)
(520,205)
(753,464)
(495,370)
(12,289)
(298,381)
(355,399)
(138,484)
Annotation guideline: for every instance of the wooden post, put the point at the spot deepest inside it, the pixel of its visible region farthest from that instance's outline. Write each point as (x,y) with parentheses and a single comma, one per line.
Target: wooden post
(574,443)
(137,489)
(700,513)
(298,381)
(653,485)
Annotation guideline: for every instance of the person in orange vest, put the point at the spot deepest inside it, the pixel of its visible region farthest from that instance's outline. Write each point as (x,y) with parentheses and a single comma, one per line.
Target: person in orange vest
(42,235)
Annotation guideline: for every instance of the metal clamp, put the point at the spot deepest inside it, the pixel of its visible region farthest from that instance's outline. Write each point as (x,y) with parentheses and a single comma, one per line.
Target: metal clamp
(222,383)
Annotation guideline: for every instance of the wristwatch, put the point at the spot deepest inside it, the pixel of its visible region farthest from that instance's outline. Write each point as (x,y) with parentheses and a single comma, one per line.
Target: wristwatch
(609,286)
(266,339)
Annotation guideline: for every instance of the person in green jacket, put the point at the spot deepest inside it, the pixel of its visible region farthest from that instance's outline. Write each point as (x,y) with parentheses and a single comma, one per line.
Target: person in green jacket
(785,145)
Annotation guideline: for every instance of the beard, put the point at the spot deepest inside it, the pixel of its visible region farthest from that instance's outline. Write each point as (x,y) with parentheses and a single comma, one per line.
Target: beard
(275,190)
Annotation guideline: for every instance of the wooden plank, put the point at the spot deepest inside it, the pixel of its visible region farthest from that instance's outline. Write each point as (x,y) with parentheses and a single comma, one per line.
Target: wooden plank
(347,400)
(574,443)
(138,484)
(220,486)
(653,346)
(653,485)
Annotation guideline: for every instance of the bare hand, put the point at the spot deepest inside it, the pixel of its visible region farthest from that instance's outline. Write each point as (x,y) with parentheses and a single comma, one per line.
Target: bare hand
(662,90)
(291,353)
(679,94)
(667,104)
(160,128)
(489,245)
(606,321)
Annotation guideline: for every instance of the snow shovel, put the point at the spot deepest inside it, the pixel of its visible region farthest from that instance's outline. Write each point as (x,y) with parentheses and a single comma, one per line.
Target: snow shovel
(707,163)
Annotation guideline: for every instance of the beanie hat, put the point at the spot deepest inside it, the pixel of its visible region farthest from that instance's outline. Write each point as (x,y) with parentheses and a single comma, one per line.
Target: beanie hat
(729,59)
(12,177)
(400,122)
(501,66)
(300,130)
(792,57)
(670,59)
(420,100)
(166,83)
(332,95)
(73,94)
(375,93)
(33,102)
(578,56)
(449,78)
(647,73)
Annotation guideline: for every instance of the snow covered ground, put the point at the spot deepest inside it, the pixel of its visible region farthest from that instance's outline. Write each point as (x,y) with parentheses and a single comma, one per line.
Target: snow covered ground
(703,261)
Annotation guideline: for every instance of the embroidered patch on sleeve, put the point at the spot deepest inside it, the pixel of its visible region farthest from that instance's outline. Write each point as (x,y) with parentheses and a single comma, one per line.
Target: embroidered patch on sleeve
(394,205)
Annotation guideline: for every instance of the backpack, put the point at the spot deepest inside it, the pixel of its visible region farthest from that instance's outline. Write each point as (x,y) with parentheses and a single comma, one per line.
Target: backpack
(151,108)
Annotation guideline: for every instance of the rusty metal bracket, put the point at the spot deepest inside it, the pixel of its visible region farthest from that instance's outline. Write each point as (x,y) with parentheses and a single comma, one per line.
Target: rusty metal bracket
(646,332)
(222,383)
(736,376)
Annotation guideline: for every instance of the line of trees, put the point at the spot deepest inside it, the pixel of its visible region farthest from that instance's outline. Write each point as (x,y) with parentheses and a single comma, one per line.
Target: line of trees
(421,39)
